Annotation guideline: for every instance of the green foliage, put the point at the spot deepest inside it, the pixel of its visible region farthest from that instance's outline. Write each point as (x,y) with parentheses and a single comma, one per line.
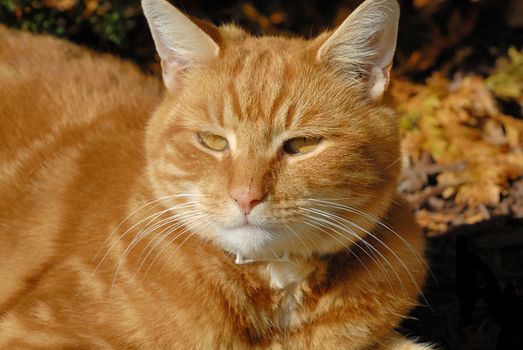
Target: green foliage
(507,80)
(103,21)
(408,121)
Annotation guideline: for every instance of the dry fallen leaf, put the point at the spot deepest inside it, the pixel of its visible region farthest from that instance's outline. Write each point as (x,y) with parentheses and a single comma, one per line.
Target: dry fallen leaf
(445,123)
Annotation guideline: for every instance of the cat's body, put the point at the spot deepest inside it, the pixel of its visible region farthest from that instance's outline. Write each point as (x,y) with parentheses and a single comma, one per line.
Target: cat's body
(76,190)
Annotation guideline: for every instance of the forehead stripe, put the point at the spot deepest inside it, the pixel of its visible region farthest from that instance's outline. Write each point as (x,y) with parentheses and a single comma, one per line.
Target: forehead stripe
(234,99)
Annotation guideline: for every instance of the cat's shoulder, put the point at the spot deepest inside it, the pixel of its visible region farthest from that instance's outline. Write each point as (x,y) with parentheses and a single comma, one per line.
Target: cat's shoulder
(47,82)
(41,55)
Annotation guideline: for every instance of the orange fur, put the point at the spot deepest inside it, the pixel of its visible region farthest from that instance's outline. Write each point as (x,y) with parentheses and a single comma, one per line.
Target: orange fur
(81,161)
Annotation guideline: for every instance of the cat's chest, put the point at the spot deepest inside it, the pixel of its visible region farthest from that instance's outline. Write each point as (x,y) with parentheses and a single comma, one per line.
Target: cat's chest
(288,310)
(287,280)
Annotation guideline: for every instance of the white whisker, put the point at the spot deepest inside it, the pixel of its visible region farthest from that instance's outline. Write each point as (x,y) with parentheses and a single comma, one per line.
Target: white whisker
(297,234)
(313,224)
(382,243)
(137,240)
(134,212)
(171,229)
(372,219)
(148,230)
(373,250)
(188,227)
(375,220)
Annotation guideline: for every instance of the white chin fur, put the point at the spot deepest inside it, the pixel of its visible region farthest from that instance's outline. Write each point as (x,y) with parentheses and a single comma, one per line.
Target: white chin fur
(251,241)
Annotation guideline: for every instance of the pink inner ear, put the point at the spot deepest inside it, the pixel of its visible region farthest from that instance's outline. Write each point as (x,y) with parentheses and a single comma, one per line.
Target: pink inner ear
(172,74)
(379,82)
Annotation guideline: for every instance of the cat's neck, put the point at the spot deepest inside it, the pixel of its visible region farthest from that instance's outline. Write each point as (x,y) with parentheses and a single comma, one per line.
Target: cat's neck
(282,271)
(283,274)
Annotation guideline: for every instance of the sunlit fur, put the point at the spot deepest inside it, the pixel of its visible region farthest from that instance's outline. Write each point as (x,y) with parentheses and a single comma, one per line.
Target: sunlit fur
(118,231)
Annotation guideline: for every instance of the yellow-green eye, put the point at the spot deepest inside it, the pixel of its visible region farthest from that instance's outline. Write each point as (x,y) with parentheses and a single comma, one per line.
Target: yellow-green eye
(301,145)
(214,142)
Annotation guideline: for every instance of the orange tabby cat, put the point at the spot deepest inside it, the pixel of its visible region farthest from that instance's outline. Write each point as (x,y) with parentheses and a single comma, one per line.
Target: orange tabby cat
(254,209)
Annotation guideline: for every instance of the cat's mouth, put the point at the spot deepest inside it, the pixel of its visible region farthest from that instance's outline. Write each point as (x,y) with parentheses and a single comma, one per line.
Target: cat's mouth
(246,226)
(247,223)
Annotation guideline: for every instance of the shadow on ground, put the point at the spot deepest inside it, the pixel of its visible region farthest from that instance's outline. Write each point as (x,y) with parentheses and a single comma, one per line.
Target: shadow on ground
(475,292)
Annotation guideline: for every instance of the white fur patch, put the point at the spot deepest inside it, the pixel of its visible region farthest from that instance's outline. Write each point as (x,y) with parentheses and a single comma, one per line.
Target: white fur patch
(284,273)
(287,276)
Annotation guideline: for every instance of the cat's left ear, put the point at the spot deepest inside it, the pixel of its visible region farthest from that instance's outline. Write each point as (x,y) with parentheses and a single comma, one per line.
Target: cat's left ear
(180,42)
(362,47)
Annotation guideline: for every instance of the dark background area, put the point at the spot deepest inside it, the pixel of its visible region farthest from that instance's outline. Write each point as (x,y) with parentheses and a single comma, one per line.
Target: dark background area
(474,298)
(435,31)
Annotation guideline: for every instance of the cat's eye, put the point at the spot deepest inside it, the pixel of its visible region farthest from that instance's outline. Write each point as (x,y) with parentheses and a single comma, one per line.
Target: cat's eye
(214,142)
(301,145)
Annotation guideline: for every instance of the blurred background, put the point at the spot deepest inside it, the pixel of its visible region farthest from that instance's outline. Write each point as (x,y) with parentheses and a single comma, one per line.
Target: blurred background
(458,89)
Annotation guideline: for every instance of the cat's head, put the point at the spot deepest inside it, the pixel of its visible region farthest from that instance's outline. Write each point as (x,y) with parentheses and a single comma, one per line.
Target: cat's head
(272,145)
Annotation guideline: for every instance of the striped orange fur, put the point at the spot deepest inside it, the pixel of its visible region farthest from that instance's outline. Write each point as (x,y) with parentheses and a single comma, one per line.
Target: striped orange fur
(121,229)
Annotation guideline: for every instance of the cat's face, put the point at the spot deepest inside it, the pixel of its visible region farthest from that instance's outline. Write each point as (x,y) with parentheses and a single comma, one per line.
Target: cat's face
(266,150)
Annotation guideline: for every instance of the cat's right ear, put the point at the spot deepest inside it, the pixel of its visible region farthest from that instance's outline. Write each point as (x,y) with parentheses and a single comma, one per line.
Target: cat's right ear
(180,43)
(362,47)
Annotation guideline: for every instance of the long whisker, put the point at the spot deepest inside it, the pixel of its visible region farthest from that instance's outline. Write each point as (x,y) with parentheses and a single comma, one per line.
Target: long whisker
(156,200)
(297,234)
(342,227)
(376,220)
(374,258)
(189,227)
(151,217)
(320,212)
(115,274)
(168,231)
(135,241)
(369,217)
(346,247)
(148,230)
(173,224)
(372,250)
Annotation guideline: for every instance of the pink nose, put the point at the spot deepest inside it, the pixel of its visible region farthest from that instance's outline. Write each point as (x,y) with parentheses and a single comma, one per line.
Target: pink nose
(247,198)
